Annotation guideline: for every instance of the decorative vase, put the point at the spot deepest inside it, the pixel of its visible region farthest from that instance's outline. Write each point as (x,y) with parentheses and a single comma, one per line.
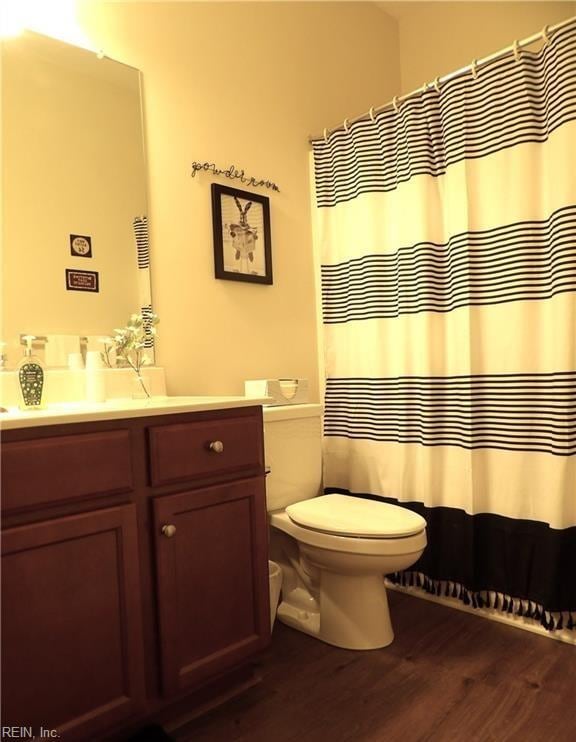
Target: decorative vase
(139,388)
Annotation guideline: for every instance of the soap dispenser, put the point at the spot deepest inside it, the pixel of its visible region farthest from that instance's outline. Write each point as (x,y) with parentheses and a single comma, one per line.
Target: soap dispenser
(30,378)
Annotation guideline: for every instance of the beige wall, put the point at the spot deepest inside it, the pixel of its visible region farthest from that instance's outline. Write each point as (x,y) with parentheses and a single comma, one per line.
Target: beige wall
(242,84)
(440,37)
(245,83)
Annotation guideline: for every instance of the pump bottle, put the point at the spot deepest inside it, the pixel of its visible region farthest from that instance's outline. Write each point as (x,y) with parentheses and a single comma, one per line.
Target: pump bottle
(30,372)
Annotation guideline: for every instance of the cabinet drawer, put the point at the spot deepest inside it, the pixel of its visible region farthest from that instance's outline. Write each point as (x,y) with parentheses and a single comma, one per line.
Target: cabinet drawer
(182,452)
(52,470)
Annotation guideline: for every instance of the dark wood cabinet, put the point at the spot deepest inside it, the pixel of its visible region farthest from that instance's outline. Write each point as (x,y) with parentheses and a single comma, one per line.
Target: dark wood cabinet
(211,582)
(71,623)
(134,568)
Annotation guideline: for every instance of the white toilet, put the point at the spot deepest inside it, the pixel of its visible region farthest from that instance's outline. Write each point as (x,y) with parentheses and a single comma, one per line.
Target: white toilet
(334,550)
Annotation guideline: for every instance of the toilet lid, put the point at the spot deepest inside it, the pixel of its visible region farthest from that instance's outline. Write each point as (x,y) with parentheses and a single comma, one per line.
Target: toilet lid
(344,515)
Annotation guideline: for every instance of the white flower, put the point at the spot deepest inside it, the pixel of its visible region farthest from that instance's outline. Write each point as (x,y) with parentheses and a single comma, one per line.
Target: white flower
(130,342)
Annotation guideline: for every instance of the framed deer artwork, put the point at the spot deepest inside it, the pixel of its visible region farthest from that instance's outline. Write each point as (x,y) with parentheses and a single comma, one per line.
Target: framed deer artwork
(242,245)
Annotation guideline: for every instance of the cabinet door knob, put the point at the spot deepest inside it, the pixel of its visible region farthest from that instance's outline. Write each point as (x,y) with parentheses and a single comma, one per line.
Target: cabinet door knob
(216,446)
(168,530)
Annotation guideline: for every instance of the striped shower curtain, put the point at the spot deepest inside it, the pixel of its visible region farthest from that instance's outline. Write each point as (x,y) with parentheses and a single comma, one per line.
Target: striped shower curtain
(447,231)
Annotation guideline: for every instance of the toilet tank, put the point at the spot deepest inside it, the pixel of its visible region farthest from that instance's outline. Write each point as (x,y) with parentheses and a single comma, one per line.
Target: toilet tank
(293,450)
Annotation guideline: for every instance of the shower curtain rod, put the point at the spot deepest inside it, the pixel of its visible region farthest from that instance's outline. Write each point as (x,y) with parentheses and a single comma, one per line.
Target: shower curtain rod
(472,67)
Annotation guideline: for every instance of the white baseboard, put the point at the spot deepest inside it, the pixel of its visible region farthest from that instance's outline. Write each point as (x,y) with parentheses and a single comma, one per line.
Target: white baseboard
(518,622)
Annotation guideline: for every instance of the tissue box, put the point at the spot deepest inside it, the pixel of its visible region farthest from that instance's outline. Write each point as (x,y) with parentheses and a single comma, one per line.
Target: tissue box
(282,391)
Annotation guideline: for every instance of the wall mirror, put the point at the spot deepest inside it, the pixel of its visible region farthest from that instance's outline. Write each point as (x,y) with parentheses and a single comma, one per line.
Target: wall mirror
(75,235)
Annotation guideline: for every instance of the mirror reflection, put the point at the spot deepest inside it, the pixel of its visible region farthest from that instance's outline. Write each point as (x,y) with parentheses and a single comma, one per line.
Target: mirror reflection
(75,260)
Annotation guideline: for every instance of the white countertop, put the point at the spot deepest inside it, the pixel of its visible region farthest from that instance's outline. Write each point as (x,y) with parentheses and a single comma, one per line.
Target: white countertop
(81,412)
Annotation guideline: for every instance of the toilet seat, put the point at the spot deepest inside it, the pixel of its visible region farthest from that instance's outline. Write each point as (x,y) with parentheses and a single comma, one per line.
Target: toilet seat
(355,517)
(375,547)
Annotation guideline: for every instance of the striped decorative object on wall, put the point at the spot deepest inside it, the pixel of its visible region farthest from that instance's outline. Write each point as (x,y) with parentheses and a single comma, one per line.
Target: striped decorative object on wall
(447,231)
(143,248)
(141,233)
(146,312)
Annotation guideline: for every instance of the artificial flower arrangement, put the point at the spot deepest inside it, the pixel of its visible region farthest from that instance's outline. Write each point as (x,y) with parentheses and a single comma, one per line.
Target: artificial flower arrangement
(130,345)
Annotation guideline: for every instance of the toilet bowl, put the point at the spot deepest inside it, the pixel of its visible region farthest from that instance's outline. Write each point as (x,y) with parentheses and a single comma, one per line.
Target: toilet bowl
(335,590)
(334,550)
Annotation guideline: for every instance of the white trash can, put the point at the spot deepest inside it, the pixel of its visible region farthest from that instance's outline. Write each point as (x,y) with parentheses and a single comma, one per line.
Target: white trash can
(275,577)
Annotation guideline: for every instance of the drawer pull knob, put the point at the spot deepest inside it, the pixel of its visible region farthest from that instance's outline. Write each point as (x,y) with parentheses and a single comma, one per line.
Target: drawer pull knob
(168,530)
(216,446)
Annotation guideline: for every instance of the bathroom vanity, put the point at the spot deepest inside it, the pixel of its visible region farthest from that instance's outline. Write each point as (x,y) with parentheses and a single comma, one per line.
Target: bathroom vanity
(134,563)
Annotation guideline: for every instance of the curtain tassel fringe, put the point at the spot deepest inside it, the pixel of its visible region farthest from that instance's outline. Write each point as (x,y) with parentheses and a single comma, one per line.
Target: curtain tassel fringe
(521,607)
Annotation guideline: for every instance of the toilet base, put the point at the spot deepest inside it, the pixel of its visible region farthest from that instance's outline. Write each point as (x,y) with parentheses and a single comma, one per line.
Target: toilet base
(305,621)
(353,612)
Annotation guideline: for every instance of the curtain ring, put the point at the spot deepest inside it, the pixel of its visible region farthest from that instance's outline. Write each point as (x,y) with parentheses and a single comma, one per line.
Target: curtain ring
(516,50)
(473,68)
(546,34)
(395,103)
(346,129)
(326,135)
(437,84)
(371,112)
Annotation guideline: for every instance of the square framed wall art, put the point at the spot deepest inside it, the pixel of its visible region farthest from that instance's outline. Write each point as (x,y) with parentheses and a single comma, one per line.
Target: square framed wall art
(242,242)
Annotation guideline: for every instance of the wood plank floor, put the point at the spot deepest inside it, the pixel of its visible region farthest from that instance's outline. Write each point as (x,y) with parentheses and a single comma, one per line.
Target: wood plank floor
(448,676)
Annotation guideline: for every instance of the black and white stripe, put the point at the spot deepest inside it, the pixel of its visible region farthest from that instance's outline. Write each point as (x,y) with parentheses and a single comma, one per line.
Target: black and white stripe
(510,103)
(142,243)
(516,262)
(513,412)
(146,312)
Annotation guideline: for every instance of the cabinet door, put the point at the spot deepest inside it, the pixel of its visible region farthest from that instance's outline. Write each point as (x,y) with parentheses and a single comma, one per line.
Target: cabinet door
(71,623)
(212,572)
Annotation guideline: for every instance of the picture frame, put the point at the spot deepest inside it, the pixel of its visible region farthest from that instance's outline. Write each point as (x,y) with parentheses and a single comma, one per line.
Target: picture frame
(242,239)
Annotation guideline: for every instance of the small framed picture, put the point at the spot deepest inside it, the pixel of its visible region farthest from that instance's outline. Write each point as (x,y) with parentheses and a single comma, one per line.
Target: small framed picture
(81,245)
(242,245)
